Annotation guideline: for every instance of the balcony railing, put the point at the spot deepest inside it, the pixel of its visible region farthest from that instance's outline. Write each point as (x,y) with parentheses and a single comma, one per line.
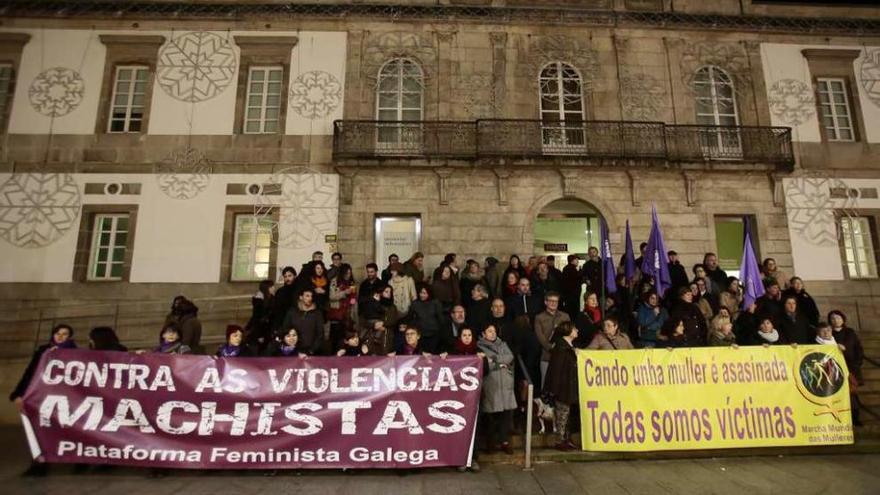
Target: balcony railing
(587,140)
(421,139)
(591,139)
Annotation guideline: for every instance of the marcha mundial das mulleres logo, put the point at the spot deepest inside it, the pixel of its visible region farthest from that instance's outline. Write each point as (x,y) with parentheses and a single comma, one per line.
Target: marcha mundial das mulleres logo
(821,379)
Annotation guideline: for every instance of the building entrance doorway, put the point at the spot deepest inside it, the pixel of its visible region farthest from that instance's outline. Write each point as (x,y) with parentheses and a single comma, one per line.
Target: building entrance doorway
(566,226)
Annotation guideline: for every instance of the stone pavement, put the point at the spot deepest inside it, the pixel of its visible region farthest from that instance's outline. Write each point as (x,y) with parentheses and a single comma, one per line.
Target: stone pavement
(850,474)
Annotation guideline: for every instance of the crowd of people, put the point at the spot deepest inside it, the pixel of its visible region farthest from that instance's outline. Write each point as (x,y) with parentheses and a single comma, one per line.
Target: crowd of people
(524,320)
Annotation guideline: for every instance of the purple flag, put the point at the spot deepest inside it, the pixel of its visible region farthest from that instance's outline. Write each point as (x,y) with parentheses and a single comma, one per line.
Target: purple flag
(607,260)
(629,258)
(750,275)
(655,263)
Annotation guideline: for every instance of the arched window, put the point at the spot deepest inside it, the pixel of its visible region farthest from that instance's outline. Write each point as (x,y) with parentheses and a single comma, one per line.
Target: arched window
(562,108)
(716,98)
(399,98)
(716,106)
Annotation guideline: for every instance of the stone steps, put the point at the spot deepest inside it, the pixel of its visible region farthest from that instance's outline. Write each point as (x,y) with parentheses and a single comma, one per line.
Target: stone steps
(136,323)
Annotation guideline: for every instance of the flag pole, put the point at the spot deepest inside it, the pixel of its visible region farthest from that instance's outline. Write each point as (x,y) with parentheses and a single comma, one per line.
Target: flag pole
(602,268)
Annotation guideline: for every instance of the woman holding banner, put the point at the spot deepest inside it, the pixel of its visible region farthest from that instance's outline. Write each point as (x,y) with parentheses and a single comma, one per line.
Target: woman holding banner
(235,345)
(61,338)
(169,341)
(466,345)
(285,346)
(561,381)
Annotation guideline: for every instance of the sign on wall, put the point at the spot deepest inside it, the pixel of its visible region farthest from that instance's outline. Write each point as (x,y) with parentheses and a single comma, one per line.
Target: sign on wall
(397,235)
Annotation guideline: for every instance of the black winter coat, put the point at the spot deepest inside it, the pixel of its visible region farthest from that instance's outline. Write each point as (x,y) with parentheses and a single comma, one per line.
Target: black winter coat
(696,330)
(561,381)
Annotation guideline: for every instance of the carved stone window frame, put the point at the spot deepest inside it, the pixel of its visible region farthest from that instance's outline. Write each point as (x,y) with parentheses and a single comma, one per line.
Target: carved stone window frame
(86,233)
(263,51)
(126,49)
(227,251)
(834,63)
(11,45)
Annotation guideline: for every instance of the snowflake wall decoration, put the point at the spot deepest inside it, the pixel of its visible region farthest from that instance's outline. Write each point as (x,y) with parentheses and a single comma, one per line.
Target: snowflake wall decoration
(792,101)
(477,95)
(554,48)
(397,44)
(57,91)
(811,208)
(184,173)
(315,94)
(38,209)
(869,74)
(307,204)
(641,96)
(195,66)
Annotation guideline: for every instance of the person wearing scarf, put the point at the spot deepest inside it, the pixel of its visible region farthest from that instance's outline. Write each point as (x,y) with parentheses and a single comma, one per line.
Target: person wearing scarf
(285,345)
(410,345)
(466,345)
(511,281)
(234,346)
(825,336)
(320,285)
(60,338)
(767,334)
(169,341)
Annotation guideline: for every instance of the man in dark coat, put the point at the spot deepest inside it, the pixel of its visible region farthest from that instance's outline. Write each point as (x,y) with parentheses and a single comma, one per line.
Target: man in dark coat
(451,327)
(696,330)
(308,322)
(677,272)
(794,325)
(365,290)
(771,304)
(285,298)
(592,271)
(523,303)
(571,287)
(543,281)
(493,276)
(713,271)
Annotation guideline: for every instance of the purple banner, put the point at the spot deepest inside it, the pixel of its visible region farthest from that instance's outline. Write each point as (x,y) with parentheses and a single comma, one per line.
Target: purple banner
(252,413)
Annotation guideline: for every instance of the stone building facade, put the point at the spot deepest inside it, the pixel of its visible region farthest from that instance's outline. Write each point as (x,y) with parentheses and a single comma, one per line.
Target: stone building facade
(476,118)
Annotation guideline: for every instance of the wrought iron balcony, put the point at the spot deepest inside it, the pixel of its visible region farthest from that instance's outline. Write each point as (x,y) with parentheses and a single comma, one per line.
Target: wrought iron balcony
(399,139)
(589,139)
(520,139)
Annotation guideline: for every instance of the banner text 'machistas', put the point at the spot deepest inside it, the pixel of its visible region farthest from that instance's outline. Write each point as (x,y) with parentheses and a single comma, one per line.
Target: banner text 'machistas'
(179,417)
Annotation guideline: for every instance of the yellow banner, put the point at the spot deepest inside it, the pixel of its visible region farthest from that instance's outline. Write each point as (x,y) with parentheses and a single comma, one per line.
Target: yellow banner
(713,397)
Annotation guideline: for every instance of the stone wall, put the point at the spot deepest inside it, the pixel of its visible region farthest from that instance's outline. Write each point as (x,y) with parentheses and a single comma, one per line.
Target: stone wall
(474,225)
